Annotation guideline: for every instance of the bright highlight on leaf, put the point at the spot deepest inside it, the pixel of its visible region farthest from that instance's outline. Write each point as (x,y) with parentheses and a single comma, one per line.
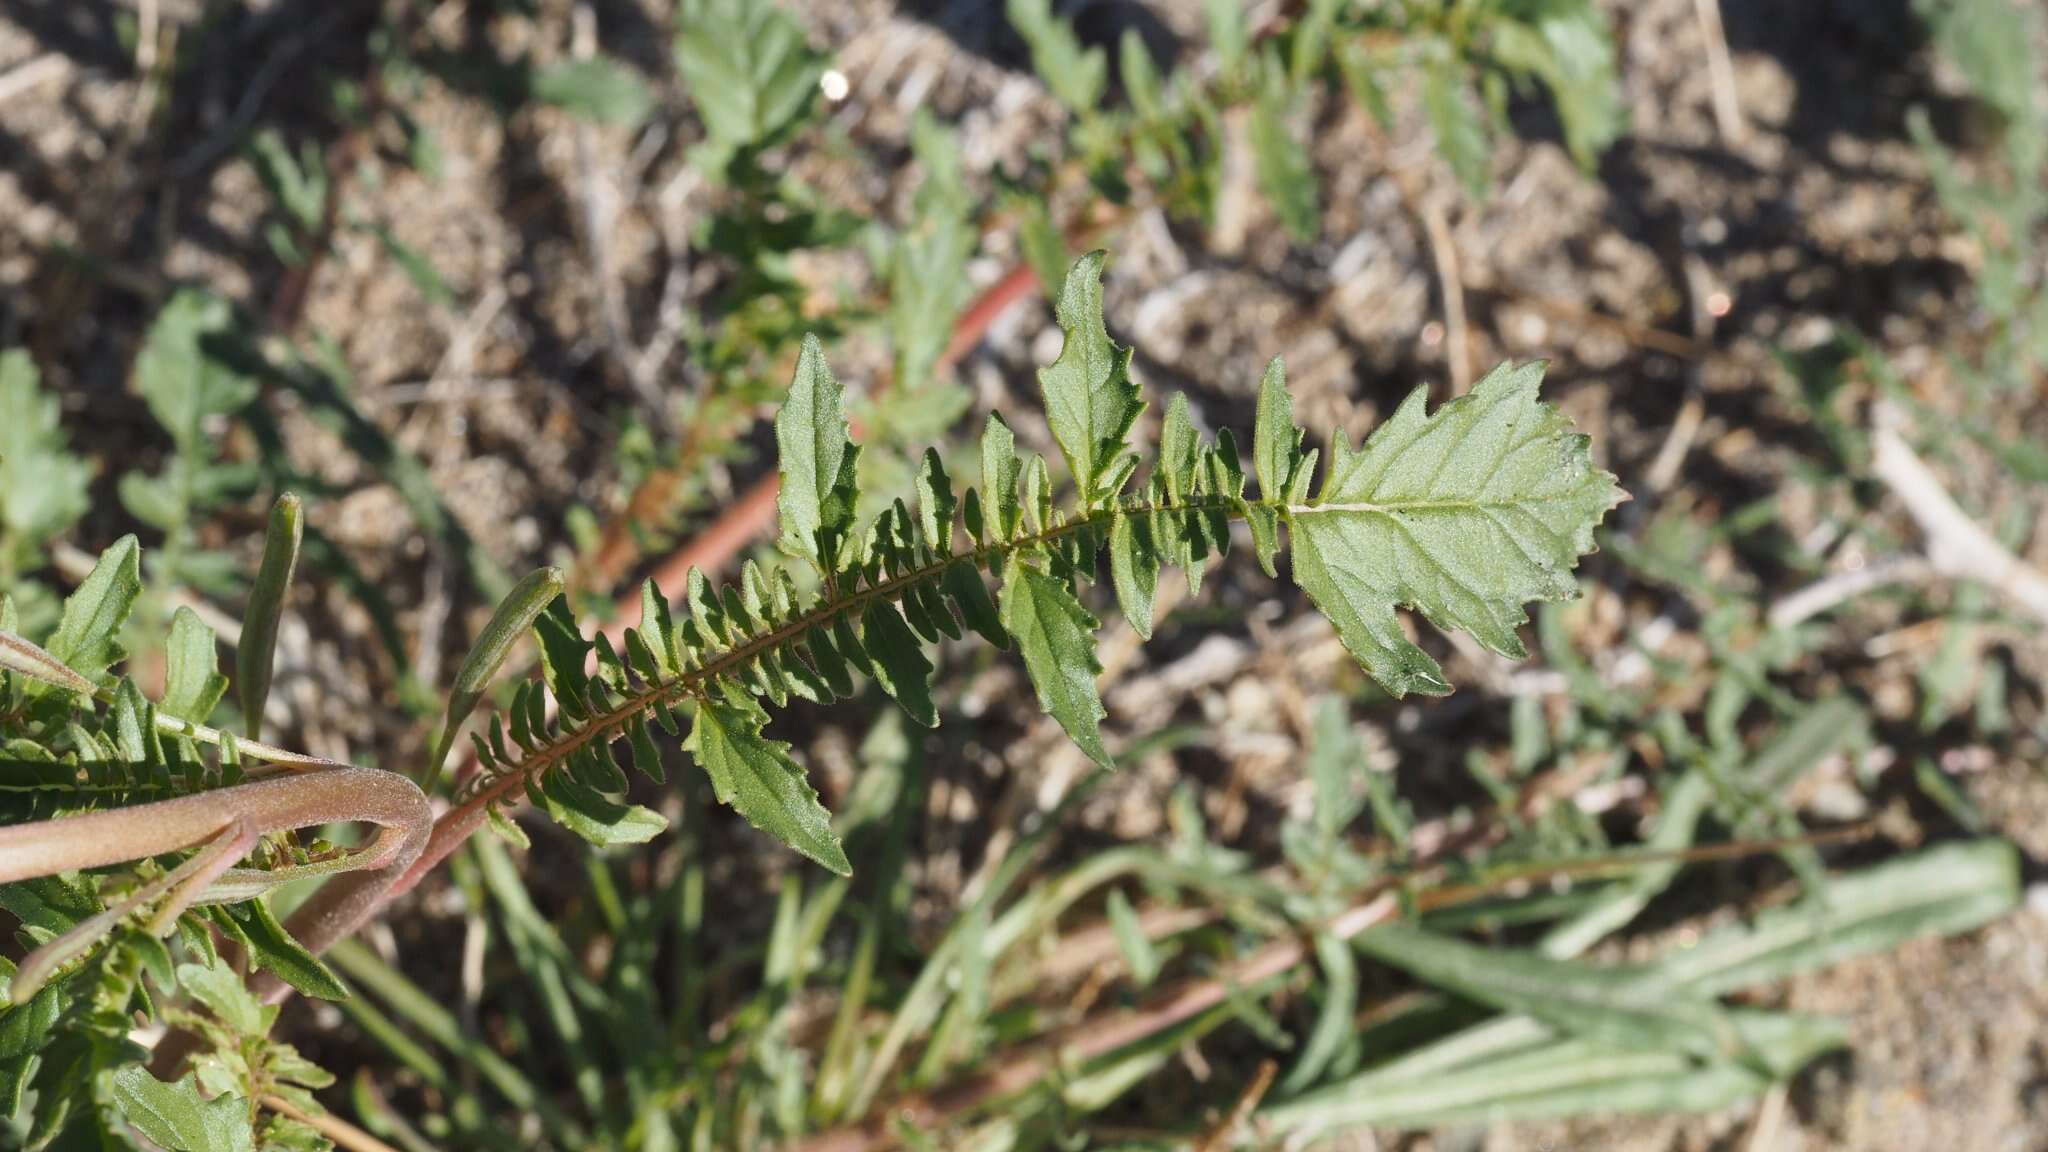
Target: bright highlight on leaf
(1463,515)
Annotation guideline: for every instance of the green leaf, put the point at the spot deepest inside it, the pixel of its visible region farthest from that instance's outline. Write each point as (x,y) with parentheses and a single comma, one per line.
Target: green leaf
(1571,49)
(87,639)
(179,1119)
(1945,890)
(929,263)
(255,654)
(1134,569)
(220,988)
(1090,399)
(600,821)
(1229,34)
(1990,43)
(756,776)
(1334,763)
(599,89)
(1280,163)
(24,1027)
(418,267)
(1614,1006)
(1139,954)
(900,665)
(816,460)
(274,949)
(1334,1021)
(513,618)
(1460,134)
(999,472)
(1277,458)
(192,680)
(746,67)
(1076,77)
(182,376)
(1056,637)
(42,486)
(1558,1079)
(1465,515)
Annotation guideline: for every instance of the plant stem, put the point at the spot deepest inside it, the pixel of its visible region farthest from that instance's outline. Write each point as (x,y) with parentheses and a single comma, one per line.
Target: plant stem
(341,1132)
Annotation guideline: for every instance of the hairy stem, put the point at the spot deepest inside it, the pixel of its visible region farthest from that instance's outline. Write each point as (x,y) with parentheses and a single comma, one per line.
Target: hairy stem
(229,820)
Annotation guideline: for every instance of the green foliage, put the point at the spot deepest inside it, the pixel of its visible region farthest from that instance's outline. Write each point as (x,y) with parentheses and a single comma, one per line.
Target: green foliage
(1075,76)
(1056,637)
(746,68)
(2001,203)
(178,1117)
(757,777)
(42,485)
(512,620)
(192,387)
(1463,515)
(926,266)
(1579,1037)
(1090,400)
(100,744)
(1284,170)
(88,637)
(600,90)
(255,651)
(1464,58)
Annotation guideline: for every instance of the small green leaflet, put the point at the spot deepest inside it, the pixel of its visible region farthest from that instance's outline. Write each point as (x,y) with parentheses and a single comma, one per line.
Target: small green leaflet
(1279,162)
(192,680)
(180,377)
(900,665)
(1075,76)
(220,988)
(1282,467)
(1057,639)
(816,459)
(43,488)
(1460,133)
(1465,515)
(88,637)
(1090,399)
(757,777)
(1571,49)
(746,67)
(999,472)
(273,948)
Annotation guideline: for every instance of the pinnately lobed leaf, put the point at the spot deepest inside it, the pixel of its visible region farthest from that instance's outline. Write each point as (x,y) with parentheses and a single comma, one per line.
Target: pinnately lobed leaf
(1464,515)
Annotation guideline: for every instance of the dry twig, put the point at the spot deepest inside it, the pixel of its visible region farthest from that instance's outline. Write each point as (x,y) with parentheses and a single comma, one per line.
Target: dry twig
(1956,546)
(344,1134)
(1721,73)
